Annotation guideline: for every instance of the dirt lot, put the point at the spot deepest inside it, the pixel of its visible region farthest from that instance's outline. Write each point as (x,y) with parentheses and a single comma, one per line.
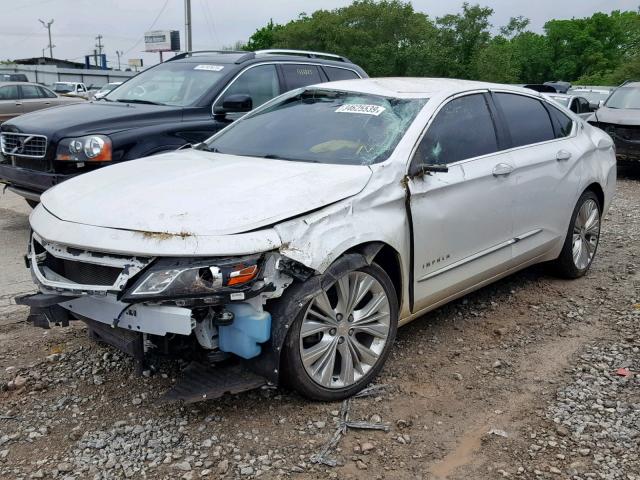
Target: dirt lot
(518,380)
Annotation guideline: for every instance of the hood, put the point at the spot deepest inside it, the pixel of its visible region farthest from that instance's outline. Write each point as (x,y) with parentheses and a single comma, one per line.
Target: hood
(190,192)
(618,116)
(85,118)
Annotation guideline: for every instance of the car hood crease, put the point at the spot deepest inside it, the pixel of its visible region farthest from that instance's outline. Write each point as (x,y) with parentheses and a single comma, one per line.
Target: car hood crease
(190,192)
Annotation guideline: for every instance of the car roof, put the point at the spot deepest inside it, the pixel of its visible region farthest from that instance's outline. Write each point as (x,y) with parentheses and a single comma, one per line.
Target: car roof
(631,84)
(414,87)
(2,84)
(247,58)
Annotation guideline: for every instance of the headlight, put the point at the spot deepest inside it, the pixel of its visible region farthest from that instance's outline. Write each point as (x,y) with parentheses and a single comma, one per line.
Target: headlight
(92,148)
(172,279)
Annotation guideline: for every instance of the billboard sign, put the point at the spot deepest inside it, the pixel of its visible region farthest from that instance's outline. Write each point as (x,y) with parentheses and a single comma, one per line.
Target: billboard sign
(162,41)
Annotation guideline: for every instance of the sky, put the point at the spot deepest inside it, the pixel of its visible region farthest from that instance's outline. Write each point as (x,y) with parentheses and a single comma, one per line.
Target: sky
(216,23)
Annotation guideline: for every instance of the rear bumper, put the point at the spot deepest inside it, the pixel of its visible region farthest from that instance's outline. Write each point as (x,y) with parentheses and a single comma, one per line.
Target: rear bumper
(29,183)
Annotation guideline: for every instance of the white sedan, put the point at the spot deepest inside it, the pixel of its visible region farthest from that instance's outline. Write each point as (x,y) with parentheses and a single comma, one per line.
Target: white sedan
(300,237)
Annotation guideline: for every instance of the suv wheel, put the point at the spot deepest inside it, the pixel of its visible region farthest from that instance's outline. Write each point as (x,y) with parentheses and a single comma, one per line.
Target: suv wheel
(342,337)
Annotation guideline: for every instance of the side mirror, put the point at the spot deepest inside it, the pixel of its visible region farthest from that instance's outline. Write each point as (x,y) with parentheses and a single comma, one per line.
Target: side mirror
(601,103)
(236,103)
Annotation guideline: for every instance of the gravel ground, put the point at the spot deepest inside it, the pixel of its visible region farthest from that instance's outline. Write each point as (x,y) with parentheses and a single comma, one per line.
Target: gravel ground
(521,379)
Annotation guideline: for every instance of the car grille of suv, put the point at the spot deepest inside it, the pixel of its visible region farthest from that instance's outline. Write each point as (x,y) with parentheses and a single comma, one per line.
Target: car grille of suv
(23,145)
(82,272)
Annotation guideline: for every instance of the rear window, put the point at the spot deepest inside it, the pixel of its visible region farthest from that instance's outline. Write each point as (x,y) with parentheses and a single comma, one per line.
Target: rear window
(336,73)
(300,75)
(526,117)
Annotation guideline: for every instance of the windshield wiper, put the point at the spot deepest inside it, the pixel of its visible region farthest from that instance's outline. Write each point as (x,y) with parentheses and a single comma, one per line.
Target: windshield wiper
(138,100)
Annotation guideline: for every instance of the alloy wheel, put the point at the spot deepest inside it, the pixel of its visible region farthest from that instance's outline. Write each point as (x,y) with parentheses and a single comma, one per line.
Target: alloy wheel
(586,233)
(344,330)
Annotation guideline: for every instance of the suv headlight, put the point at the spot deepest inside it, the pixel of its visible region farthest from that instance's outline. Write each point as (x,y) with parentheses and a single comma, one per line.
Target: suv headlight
(184,278)
(91,148)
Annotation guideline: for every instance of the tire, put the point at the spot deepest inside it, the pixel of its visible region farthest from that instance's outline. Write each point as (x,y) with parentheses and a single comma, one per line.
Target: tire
(32,203)
(342,337)
(584,230)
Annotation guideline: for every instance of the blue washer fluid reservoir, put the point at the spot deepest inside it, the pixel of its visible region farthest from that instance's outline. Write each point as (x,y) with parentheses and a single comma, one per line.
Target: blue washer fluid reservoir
(249,328)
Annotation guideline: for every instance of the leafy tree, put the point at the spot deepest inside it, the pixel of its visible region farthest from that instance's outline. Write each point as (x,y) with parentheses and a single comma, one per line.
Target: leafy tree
(390,38)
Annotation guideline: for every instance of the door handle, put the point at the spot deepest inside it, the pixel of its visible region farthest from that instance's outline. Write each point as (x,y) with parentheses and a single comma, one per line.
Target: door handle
(18,104)
(502,169)
(563,155)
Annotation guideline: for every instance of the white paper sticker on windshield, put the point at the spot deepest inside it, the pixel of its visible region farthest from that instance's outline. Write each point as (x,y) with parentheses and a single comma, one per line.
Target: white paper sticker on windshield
(211,68)
(361,108)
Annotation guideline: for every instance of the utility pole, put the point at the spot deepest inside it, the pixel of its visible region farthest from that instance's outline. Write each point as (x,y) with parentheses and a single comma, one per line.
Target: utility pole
(47,25)
(99,45)
(43,51)
(119,53)
(187,25)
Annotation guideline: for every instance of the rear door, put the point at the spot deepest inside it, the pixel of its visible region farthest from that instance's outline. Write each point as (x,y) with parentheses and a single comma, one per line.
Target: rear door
(10,103)
(545,159)
(462,218)
(32,98)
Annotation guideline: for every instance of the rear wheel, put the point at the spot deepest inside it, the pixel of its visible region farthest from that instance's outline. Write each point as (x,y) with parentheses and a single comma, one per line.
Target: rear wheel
(343,336)
(582,239)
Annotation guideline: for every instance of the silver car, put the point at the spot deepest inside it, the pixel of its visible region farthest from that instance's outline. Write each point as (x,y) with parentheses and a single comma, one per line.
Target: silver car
(17,98)
(303,235)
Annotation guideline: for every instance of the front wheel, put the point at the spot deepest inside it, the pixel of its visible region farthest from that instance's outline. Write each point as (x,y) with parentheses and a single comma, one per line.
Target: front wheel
(582,238)
(342,338)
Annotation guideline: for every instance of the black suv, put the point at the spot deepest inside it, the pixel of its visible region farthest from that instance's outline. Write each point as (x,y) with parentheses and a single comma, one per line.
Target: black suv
(619,116)
(181,101)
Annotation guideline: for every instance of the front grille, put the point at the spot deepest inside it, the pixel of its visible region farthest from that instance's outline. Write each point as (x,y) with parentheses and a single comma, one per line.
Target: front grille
(82,272)
(23,145)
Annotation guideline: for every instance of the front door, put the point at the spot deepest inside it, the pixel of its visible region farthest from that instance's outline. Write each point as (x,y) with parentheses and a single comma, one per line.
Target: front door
(462,218)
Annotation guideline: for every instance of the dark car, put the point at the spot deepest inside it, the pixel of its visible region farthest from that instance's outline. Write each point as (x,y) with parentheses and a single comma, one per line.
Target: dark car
(619,116)
(13,77)
(182,101)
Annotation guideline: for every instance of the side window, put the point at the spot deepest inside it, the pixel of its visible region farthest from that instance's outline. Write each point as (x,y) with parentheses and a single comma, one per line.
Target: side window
(335,73)
(526,117)
(563,124)
(575,106)
(584,105)
(300,75)
(45,93)
(260,83)
(462,129)
(9,92)
(30,92)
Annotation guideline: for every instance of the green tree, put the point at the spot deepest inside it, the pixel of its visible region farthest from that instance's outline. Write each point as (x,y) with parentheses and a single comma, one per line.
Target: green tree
(263,37)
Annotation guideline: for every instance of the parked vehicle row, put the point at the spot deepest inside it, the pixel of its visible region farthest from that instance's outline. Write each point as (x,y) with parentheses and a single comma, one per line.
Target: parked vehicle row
(300,237)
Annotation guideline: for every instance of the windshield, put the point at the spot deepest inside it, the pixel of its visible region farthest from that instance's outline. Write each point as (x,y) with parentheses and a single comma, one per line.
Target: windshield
(561,100)
(171,83)
(62,87)
(321,126)
(107,88)
(625,97)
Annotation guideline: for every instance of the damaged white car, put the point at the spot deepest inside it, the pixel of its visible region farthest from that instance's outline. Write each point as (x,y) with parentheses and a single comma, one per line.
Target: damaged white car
(299,238)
